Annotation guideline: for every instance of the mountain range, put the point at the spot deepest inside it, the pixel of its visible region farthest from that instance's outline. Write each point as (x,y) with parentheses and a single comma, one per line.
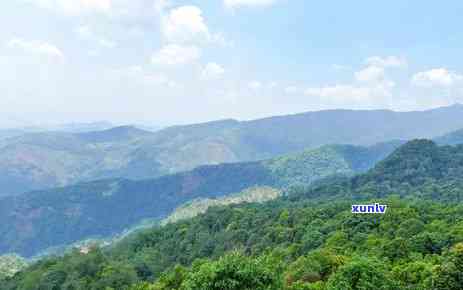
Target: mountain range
(33,161)
(37,220)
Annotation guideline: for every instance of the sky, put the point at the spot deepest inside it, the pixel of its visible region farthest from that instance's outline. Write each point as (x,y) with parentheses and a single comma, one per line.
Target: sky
(167,62)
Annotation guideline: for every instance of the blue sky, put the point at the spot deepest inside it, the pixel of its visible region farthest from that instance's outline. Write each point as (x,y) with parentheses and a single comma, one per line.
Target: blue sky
(169,62)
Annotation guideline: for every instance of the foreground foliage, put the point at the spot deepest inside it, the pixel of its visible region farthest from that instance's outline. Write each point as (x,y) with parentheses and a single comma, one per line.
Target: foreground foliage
(280,245)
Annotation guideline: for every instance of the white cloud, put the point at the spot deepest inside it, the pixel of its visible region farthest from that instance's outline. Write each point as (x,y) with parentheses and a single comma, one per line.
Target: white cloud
(212,71)
(185,24)
(370,73)
(375,68)
(239,3)
(185,32)
(437,77)
(36,47)
(389,61)
(173,54)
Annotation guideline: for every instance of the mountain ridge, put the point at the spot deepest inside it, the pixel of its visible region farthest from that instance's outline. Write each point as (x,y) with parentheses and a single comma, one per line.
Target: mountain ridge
(34,221)
(46,160)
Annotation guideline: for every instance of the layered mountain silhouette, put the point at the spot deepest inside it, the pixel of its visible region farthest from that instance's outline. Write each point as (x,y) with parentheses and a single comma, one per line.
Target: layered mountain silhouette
(43,160)
(35,221)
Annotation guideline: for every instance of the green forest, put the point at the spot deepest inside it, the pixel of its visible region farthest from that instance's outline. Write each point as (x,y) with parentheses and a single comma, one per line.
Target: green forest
(307,239)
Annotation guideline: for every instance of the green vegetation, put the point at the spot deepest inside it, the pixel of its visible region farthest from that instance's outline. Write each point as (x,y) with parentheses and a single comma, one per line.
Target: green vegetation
(313,164)
(36,221)
(10,265)
(419,168)
(305,240)
(199,206)
(279,245)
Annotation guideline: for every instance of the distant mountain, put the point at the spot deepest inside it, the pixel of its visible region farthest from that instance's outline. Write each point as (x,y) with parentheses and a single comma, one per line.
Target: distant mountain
(81,127)
(8,133)
(116,134)
(452,138)
(34,221)
(45,160)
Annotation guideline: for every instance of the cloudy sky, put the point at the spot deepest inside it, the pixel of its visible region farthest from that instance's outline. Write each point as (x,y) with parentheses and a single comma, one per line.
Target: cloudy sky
(167,62)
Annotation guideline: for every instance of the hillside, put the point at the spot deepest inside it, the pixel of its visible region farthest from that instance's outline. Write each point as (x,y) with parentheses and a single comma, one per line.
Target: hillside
(420,169)
(201,205)
(37,220)
(305,241)
(44,160)
(49,159)
(116,134)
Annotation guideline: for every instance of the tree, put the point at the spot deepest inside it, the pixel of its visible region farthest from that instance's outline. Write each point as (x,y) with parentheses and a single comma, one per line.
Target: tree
(316,266)
(449,275)
(232,272)
(116,275)
(360,274)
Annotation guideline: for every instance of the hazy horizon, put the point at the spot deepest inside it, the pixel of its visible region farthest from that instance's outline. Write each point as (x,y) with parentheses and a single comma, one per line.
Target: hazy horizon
(159,125)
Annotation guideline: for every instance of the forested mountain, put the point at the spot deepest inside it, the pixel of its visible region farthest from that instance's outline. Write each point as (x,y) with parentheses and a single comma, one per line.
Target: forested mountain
(419,168)
(37,220)
(45,160)
(42,160)
(301,241)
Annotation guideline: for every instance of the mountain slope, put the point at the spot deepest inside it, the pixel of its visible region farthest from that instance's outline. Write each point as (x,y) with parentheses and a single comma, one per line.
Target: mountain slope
(314,129)
(419,169)
(116,134)
(306,241)
(37,220)
(45,160)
